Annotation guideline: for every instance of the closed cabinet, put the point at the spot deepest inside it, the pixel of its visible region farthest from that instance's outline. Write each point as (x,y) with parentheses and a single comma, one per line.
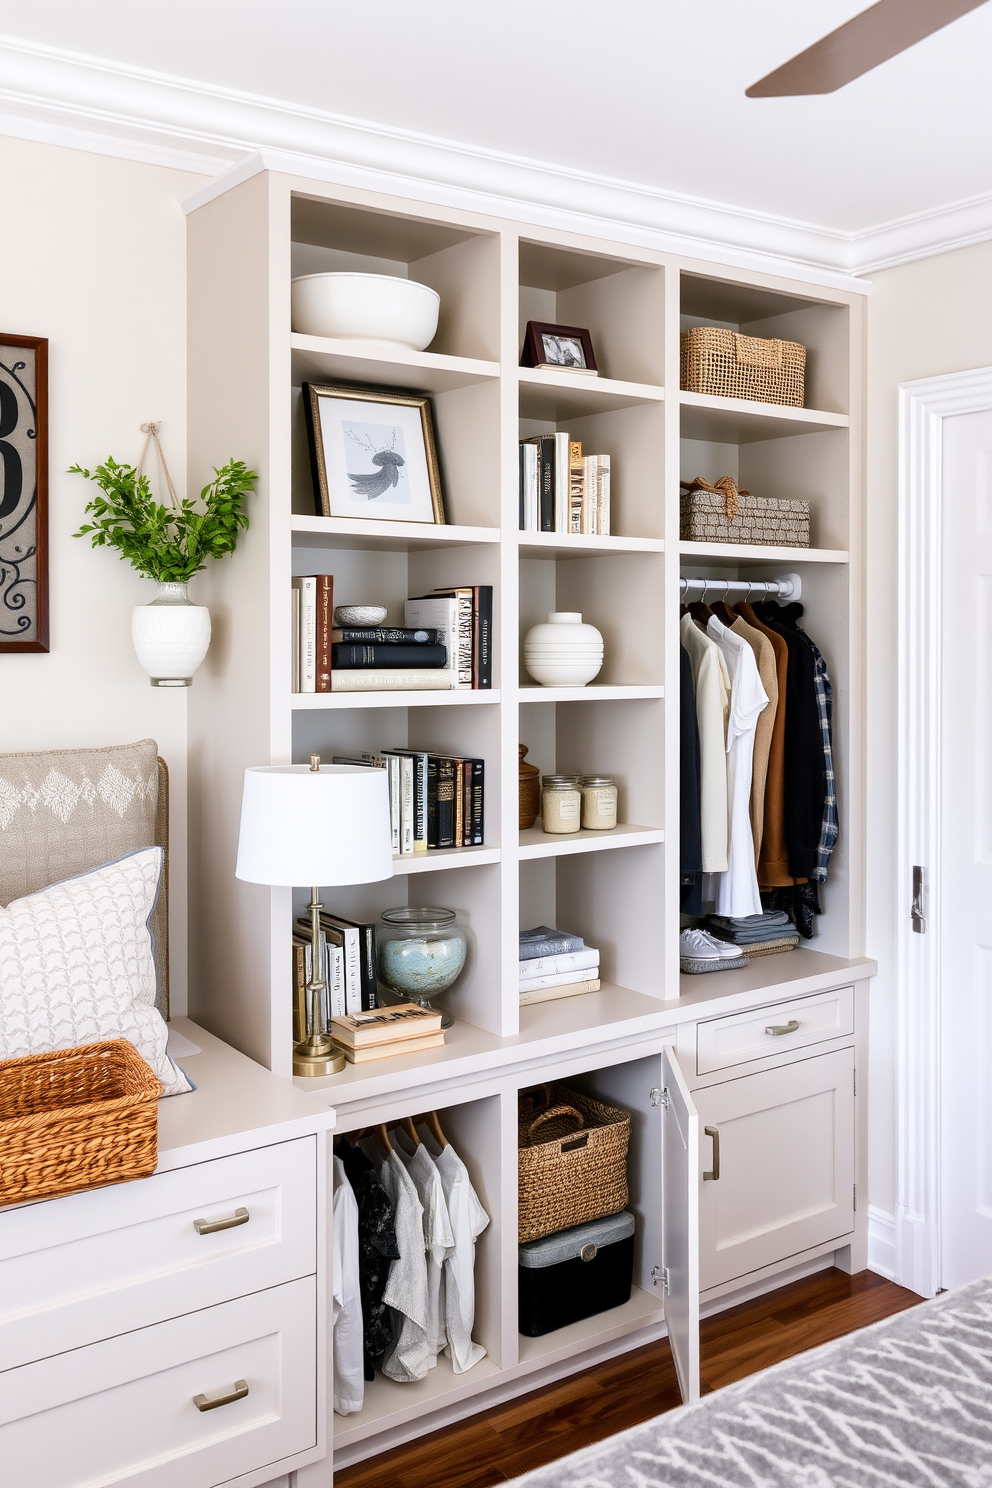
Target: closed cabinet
(777,1165)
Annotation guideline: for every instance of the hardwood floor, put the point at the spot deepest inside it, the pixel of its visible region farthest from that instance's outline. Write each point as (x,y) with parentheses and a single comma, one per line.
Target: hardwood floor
(525,1433)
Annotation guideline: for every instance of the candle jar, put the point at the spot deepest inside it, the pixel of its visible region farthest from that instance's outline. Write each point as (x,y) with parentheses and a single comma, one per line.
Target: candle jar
(561,803)
(421,951)
(599,802)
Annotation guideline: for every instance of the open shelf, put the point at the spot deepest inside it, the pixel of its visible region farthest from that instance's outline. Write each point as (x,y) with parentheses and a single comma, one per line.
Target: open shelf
(451,698)
(317,358)
(591,693)
(388,1403)
(558,395)
(642,1309)
(536,843)
(738,552)
(387,537)
(739,421)
(438,858)
(574,545)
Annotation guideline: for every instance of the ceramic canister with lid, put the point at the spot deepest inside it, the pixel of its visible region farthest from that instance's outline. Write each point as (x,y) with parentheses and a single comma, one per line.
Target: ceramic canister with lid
(563,652)
(561,803)
(599,802)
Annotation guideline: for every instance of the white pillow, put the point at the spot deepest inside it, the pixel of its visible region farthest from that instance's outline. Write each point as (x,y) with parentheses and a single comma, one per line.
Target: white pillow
(76,966)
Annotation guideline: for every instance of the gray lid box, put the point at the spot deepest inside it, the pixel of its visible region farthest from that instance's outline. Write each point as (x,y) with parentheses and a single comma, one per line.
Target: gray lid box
(567,1245)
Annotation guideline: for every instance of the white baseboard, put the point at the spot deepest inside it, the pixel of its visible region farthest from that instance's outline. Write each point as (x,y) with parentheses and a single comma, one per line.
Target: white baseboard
(882,1242)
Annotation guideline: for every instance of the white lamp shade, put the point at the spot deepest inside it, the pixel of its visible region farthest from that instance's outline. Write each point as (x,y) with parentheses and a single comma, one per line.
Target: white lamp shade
(318,827)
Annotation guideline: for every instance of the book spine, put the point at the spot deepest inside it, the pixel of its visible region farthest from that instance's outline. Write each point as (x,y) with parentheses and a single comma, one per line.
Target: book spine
(432,814)
(459,803)
(352,970)
(603,497)
(420,803)
(324,624)
(589,476)
(551,994)
(562,443)
(552,945)
(393,767)
(336,981)
(389,635)
(575,486)
(393,679)
(531,492)
(468,776)
(295,621)
(465,639)
(387,656)
(370,979)
(308,632)
(558,978)
(484,634)
(522,492)
(406,804)
(552,965)
(299,992)
(546,477)
(478,803)
(445,803)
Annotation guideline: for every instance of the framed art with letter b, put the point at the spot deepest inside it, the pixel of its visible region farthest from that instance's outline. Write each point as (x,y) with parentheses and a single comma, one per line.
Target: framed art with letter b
(23,493)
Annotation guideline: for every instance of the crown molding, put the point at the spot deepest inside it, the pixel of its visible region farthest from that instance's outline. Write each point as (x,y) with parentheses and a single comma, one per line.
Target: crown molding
(64,98)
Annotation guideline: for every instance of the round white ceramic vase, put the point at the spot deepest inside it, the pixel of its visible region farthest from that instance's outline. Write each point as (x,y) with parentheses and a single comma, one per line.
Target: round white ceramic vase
(170,636)
(563,652)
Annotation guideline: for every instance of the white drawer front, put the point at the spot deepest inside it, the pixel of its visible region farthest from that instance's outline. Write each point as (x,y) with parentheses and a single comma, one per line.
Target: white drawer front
(90,1265)
(740,1037)
(122,1411)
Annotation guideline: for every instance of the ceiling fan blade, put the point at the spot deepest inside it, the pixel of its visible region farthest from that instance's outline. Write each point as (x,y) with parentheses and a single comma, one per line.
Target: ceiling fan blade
(865,41)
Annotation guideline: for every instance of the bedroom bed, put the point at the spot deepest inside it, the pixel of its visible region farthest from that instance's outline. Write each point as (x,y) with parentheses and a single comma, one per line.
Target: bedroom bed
(903,1403)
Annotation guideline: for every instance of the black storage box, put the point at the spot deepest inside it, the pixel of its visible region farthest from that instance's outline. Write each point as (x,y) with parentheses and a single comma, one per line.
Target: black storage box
(575,1273)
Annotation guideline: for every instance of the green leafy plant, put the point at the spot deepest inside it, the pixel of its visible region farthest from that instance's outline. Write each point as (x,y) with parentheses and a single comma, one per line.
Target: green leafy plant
(166,543)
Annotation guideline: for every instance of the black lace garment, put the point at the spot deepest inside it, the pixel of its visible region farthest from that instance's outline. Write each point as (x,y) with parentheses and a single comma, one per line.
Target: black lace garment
(376,1249)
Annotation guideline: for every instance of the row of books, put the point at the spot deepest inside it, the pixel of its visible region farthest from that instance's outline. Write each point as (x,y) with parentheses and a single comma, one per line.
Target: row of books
(435,800)
(347,968)
(562,490)
(555,964)
(445,642)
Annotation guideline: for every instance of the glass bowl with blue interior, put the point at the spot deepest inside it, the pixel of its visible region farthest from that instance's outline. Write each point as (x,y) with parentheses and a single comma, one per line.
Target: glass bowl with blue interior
(421,952)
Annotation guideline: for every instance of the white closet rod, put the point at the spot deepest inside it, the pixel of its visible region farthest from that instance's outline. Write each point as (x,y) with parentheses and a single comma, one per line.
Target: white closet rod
(789,586)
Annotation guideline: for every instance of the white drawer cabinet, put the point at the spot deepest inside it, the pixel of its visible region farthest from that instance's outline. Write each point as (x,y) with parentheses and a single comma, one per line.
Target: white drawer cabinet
(124,1411)
(739,1038)
(84,1267)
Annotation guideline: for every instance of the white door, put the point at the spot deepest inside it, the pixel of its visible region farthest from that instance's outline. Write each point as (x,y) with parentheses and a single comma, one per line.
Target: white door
(680,1252)
(962,883)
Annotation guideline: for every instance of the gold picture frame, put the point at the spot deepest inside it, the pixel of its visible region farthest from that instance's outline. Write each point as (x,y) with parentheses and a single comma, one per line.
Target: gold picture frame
(383,469)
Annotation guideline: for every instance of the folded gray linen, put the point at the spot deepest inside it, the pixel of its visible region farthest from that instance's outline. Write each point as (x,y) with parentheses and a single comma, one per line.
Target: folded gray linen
(751,922)
(753,937)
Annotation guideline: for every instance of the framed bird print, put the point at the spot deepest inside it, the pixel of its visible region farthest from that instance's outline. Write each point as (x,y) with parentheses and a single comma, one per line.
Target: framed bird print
(23,493)
(372,453)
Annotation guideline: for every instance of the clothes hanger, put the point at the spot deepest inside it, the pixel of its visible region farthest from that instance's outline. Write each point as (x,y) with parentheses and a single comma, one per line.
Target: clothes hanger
(722,610)
(382,1136)
(405,1123)
(429,1119)
(700,612)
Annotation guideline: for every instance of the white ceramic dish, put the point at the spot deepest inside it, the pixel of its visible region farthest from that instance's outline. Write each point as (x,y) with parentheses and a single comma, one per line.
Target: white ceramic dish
(366,307)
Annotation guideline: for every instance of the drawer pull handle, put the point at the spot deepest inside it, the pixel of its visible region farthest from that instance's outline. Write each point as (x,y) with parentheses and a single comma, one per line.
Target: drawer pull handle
(239,1392)
(776,1028)
(714,1173)
(211,1226)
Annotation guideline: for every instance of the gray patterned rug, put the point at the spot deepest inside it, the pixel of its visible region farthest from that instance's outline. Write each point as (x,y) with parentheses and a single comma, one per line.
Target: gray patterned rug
(906,1403)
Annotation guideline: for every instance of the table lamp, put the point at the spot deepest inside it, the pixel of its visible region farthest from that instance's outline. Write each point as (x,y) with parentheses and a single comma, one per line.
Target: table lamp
(315,824)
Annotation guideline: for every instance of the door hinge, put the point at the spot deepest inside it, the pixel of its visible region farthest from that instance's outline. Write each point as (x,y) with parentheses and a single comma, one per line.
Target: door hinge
(659,1277)
(855,1198)
(918,911)
(659,1097)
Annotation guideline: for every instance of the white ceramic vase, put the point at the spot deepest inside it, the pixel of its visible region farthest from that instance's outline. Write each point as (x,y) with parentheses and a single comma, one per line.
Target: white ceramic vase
(563,652)
(170,636)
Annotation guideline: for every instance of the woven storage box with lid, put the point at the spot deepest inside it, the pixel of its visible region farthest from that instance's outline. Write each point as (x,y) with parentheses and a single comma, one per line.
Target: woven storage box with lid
(723,513)
(75,1119)
(572,1160)
(730,365)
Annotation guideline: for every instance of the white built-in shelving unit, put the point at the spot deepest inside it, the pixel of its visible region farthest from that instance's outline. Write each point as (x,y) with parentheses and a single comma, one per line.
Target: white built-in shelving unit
(618,889)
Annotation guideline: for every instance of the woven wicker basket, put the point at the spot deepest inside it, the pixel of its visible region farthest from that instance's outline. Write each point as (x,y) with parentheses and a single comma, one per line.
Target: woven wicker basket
(729,365)
(572,1160)
(74,1119)
(722,513)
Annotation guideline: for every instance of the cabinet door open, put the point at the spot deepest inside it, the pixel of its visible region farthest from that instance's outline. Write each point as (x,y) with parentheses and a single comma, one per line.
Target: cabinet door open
(680,1234)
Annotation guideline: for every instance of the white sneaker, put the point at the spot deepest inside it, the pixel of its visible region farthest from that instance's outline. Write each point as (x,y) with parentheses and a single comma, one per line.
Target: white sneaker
(701,946)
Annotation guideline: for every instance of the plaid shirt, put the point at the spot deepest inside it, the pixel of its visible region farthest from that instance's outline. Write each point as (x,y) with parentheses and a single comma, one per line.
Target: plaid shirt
(825,708)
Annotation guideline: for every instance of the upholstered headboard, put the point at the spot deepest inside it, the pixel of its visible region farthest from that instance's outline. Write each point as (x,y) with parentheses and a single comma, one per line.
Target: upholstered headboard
(65,811)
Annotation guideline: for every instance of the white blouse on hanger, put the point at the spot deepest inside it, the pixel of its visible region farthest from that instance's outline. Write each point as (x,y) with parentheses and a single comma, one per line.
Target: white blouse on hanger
(409,1356)
(349,1369)
(468,1220)
(737,889)
(439,1242)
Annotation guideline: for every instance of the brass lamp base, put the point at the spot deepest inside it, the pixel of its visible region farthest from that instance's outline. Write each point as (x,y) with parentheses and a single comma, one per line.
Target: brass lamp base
(317,1056)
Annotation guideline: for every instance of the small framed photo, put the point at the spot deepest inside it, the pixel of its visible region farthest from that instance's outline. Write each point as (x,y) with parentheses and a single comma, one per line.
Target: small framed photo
(558,348)
(373,454)
(23,493)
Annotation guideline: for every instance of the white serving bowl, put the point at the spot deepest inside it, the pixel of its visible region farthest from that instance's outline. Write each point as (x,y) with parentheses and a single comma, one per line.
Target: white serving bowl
(366,307)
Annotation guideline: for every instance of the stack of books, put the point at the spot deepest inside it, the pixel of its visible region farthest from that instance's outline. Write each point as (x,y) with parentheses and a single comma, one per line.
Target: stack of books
(463,616)
(402,1029)
(555,964)
(435,800)
(562,490)
(348,968)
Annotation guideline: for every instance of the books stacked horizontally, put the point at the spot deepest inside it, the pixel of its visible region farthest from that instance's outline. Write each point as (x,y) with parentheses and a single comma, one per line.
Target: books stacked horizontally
(555,964)
(435,800)
(402,1029)
(562,490)
(347,969)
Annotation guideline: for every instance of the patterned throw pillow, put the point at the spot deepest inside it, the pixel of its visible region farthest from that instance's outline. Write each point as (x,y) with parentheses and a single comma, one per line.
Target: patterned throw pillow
(77,966)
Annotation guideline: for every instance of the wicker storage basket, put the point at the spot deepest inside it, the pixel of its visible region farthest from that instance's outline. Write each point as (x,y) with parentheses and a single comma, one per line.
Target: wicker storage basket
(77,1118)
(572,1160)
(722,513)
(733,366)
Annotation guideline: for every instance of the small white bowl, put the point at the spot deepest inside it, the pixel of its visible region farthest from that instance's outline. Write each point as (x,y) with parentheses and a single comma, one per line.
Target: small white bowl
(359,615)
(366,307)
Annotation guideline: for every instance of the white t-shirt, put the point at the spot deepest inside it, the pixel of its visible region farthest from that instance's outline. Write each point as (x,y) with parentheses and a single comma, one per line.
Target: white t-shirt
(737,889)
(712,680)
(468,1220)
(409,1356)
(349,1373)
(439,1242)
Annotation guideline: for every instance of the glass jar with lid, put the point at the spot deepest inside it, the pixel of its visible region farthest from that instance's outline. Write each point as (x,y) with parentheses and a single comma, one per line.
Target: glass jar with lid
(421,951)
(561,803)
(599,802)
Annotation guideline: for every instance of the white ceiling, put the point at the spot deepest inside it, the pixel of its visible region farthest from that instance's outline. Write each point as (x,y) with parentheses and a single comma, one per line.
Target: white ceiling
(649,92)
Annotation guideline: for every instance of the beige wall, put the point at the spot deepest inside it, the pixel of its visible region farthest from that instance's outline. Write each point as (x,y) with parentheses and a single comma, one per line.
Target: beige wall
(924,319)
(92,255)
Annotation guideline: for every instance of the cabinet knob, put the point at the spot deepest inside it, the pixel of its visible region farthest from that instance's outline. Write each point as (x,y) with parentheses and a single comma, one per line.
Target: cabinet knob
(238,1393)
(776,1028)
(211,1226)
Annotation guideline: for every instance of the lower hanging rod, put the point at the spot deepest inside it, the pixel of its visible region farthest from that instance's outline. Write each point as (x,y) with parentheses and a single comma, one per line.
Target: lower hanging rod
(789,586)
